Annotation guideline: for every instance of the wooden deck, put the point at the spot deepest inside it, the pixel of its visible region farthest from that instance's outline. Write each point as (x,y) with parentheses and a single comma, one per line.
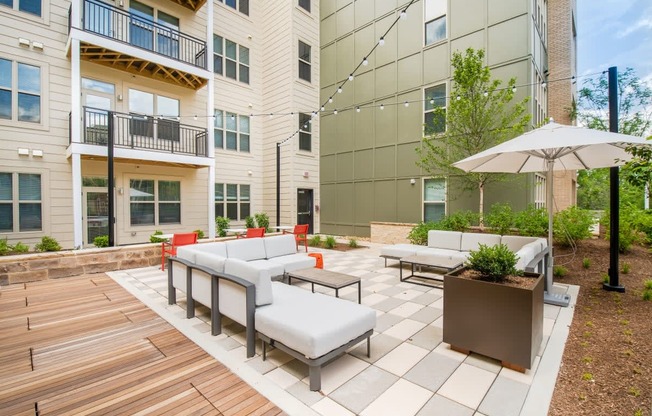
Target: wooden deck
(84,345)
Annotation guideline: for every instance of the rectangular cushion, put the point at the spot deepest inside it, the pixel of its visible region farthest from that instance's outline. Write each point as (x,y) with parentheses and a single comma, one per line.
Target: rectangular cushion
(246,249)
(450,240)
(400,250)
(275,269)
(260,276)
(515,242)
(441,252)
(293,262)
(326,323)
(472,241)
(212,261)
(188,252)
(280,245)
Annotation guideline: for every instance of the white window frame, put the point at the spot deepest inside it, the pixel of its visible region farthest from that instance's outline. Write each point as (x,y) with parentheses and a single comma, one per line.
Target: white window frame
(240,63)
(437,202)
(15,91)
(220,117)
(16,7)
(305,131)
(238,5)
(239,201)
(441,104)
(15,202)
(304,62)
(155,202)
(434,17)
(304,5)
(540,190)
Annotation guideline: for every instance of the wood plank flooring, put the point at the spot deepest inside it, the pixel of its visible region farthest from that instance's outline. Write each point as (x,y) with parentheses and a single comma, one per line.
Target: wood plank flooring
(84,345)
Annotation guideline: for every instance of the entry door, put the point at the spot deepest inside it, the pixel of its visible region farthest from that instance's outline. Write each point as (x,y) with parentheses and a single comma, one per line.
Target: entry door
(305,208)
(97,99)
(96,213)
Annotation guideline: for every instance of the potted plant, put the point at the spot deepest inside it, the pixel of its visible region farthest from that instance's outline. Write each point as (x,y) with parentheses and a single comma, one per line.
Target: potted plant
(493,309)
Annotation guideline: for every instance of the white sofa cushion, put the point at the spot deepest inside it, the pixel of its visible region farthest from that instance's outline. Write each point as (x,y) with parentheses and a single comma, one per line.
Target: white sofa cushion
(246,249)
(515,242)
(472,241)
(188,252)
(527,253)
(259,275)
(293,262)
(326,324)
(280,245)
(400,250)
(212,261)
(450,240)
(442,252)
(274,269)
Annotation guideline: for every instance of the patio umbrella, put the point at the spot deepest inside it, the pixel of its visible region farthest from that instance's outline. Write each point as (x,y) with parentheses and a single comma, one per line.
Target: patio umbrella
(549,148)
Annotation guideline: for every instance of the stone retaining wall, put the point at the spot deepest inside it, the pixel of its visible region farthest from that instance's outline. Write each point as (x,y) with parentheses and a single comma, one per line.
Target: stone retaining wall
(390,232)
(53,265)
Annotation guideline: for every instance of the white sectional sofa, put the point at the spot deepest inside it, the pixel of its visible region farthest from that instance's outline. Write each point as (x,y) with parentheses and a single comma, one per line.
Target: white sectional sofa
(456,245)
(312,327)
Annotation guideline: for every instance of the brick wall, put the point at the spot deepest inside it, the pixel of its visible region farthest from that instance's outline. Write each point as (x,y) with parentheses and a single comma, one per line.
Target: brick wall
(561,89)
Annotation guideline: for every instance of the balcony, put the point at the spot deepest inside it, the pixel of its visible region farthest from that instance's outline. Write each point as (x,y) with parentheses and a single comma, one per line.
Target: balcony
(169,55)
(138,132)
(193,5)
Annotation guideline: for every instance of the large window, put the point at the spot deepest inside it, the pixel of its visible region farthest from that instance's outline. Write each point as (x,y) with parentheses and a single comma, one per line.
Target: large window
(154,202)
(20,202)
(232,201)
(143,106)
(304,62)
(20,91)
(305,4)
(241,5)
(435,97)
(434,199)
(27,6)
(305,134)
(163,38)
(232,131)
(435,17)
(230,59)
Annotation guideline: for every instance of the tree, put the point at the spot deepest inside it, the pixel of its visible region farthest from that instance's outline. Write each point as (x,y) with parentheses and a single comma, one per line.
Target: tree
(635,118)
(480,114)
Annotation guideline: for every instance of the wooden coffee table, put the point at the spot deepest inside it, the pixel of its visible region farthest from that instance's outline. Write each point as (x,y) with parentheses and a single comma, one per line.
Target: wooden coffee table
(327,278)
(441,263)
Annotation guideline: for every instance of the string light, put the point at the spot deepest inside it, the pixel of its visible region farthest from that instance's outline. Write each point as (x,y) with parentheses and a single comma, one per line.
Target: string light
(544,84)
(323,108)
(458,98)
(406,104)
(195,117)
(357,109)
(486,93)
(381,42)
(339,90)
(404,14)
(271,115)
(514,89)
(335,112)
(432,101)
(365,62)
(350,77)
(382,106)
(330,99)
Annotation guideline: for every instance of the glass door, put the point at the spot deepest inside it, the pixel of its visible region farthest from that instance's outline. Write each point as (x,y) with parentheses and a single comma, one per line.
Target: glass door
(96,213)
(305,208)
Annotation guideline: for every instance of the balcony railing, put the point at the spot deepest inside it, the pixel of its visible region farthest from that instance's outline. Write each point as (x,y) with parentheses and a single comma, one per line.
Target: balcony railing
(143,132)
(105,20)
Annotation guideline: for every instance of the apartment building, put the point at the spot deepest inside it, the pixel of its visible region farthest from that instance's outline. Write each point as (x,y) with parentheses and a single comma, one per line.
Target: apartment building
(178,105)
(368,158)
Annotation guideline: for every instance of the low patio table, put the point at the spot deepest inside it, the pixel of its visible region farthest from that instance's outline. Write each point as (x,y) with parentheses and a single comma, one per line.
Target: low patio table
(327,278)
(441,263)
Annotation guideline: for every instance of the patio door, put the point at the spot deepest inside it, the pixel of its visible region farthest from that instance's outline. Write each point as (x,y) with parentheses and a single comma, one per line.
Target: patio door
(305,208)
(96,213)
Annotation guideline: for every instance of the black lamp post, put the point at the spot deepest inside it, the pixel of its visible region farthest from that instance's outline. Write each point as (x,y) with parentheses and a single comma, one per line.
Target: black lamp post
(111,180)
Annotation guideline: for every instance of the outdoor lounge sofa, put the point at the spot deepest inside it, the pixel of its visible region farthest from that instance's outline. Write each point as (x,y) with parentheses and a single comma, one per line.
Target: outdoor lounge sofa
(456,245)
(312,327)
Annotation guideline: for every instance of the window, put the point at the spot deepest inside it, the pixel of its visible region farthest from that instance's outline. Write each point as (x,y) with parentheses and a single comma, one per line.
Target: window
(27,6)
(150,207)
(305,134)
(232,201)
(20,84)
(304,61)
(232,131)
(435,14)
(143,106)
(434,199)
(241,5)
(540,191)
(305,4)
(162,38)
(435,97)
(20,198)
(230,59)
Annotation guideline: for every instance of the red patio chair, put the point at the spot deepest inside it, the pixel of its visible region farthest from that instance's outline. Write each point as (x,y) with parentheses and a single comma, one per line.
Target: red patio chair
(300,234)
(181,239)
(253,233)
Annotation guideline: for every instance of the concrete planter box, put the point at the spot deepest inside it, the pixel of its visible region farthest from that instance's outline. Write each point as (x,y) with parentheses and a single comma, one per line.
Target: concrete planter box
(492,319)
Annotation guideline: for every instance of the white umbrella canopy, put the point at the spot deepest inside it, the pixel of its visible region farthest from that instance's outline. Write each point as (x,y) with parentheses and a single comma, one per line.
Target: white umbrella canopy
(553,147)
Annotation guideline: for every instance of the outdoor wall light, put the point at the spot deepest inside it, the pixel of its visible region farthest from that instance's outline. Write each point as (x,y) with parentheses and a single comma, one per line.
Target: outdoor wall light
(413,181)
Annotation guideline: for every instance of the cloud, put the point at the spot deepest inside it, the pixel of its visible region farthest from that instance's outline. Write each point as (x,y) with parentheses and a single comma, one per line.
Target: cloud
(643,23)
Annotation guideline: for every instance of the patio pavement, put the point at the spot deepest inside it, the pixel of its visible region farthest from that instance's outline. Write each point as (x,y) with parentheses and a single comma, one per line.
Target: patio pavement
(410,372)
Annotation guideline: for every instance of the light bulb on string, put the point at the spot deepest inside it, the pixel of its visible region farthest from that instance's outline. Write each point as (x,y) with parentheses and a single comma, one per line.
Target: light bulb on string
(195,117)
(365,62)
(357,109)
(432,101)
(573,80)
(339,90)
(330,99)
(292,114)
(514,89)
(382,106)
(544,84)
(458,98)
(335,112)
(271,115)
(322,108)
(232,117)
(486,93)
(407,104)
(350,77)
(381,42)
(403,14)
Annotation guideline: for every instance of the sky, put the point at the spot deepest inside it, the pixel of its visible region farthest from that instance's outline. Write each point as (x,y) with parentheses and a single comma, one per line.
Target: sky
(614,33)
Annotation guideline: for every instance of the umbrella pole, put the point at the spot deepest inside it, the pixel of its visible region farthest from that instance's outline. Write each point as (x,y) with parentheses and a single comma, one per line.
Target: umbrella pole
(549,297)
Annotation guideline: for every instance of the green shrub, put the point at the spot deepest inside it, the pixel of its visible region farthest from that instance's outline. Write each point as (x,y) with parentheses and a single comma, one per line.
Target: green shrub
(586,262)
(249,222)
(47,244)
(153,238)
(626,268)
(222,224)
(647,284)
(559,271)
(419,233)
(493,262)
(262,220)
(330,242)
(627,236)
(314,241)
(5,248)
(20,248)
(571,225)
(532,222)
(500,219)
(353,243)
(647,294)
(459,221)
(101,241)
(200,233)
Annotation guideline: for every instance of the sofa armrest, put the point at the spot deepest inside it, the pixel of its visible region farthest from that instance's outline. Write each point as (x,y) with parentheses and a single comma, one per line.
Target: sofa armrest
(540,261)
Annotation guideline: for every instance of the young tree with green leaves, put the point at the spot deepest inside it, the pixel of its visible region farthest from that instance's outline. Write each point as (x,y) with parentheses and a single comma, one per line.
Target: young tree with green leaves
(480,114)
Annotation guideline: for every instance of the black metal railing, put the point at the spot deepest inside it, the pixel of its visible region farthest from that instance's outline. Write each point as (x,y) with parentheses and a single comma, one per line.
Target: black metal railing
(105,20)
(143,132)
